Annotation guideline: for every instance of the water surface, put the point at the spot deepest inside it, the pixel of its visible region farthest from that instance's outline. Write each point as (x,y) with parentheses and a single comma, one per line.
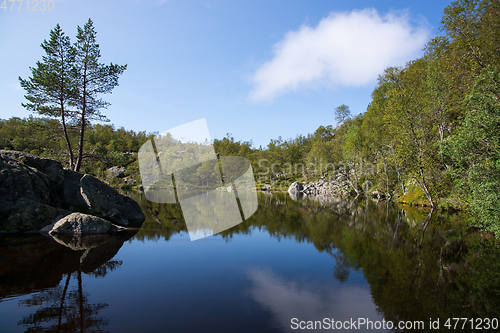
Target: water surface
(305,259)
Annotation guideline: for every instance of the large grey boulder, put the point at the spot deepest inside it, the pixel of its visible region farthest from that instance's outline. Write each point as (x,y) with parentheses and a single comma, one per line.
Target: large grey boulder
(28,197)
(296,187)
(83,224)
(53,169)
(104,201)
(35,191)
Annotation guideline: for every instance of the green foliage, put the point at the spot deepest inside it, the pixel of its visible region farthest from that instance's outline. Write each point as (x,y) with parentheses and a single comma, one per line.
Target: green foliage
(474,27)
(42,136)
(342,113)
(414,196)
(92,79)
(52,89)
(474,150)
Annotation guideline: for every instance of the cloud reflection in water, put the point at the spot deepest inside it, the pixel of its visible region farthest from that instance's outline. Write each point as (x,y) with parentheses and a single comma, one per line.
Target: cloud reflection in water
(287,299)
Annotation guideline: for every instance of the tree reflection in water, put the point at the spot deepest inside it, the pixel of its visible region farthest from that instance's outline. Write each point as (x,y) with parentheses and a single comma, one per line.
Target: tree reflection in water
(68,311)
(343,267)
(420,263)
(65,309)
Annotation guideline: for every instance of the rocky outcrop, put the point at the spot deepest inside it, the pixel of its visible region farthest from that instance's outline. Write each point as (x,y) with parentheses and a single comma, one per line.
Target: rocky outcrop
(116,172)
(336,186)
(295,188)
(35,192)
(104,201)
(28,196)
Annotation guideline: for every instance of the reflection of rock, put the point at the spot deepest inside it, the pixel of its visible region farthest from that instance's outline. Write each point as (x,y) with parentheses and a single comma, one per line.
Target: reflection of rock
(36,262)
(82,224)
(80,243)
(296,195)
(296,187)
(68,309)
(86,242)
(98,249)
(36,191)
(93,258)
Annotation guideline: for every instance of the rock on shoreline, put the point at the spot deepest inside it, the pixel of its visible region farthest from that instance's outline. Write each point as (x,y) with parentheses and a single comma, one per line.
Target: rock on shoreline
(295,188)
(81,224)
(36,192)
(336,187)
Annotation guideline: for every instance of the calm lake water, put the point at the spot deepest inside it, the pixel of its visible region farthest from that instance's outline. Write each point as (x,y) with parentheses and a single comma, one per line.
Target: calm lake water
(312,260)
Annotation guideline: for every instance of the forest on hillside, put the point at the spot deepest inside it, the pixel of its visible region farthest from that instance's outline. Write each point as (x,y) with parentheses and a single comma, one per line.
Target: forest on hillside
(431,134)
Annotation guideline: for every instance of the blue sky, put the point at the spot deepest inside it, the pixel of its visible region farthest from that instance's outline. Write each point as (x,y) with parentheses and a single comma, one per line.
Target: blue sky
(255,69)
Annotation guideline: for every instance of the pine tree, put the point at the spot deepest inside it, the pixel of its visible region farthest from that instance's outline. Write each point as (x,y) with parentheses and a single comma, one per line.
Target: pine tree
(93,78)
(51,87)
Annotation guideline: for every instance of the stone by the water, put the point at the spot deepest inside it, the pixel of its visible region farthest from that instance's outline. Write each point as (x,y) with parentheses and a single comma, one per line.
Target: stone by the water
(37,191)
(296,187)
(83,224)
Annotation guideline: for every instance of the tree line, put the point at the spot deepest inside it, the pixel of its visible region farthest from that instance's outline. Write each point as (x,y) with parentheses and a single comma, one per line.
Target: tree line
(105,146)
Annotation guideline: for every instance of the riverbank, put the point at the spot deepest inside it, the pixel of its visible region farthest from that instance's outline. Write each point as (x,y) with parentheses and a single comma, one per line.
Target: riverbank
(340,186)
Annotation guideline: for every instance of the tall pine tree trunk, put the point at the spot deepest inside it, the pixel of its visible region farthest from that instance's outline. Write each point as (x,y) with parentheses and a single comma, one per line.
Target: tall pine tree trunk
(63,95)
(82,122)
(80,143)
(66,137)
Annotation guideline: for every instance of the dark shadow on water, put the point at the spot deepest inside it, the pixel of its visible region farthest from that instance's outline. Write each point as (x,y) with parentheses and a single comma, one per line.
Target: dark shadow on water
(37,265)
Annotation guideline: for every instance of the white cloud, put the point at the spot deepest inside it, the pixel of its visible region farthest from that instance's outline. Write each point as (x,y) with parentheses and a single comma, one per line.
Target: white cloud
(344,49)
